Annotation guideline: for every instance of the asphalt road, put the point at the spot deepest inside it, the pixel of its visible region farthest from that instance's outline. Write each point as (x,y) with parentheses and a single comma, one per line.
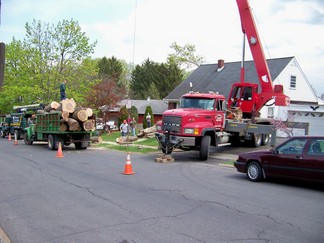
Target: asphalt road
(84,198)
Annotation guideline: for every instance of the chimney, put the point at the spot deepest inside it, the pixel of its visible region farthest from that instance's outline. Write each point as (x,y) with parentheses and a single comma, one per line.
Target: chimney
(220,65)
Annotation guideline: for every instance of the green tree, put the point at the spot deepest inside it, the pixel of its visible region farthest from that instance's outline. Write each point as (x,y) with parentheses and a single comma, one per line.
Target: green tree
(110,68)
(155,80)
(185,56)
(123,115)
(47,55)
(115,69)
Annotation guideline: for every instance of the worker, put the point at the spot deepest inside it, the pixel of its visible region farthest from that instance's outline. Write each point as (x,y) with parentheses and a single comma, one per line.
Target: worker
(62,90)
(124,128)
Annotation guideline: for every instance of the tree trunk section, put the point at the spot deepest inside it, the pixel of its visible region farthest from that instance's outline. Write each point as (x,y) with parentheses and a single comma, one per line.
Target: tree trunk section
(88,125)
(52,106)
(65,115)
(68,105)
(73,124)
(80,115)
(89,112)
(63,127)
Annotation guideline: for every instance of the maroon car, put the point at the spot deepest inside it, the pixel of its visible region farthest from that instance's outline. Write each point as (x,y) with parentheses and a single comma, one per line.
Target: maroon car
(300,157)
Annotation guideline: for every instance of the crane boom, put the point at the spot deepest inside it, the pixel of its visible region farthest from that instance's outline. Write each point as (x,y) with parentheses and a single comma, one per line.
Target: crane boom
(245,94)
(249,29)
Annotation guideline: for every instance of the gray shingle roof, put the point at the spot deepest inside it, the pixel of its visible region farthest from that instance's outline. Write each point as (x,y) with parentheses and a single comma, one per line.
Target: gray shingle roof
(158,106)
(206,78)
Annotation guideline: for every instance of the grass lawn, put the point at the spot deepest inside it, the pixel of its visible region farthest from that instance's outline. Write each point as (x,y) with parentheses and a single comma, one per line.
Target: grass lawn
(142,145)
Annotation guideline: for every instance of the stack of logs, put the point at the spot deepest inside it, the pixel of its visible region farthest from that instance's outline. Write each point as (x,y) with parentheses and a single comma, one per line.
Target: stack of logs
(74,118)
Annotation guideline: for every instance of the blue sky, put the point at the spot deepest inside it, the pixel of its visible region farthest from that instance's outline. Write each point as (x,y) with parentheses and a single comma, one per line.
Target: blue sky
(287,28)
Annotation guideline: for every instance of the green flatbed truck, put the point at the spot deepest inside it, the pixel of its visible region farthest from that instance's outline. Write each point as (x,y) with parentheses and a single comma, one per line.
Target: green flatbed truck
(46,127)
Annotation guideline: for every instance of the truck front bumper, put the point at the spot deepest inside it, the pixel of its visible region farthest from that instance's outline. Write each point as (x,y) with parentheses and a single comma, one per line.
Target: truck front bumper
(175,141)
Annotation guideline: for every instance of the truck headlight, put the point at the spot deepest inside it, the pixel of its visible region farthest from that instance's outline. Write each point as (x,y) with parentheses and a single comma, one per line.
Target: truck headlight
(159,128)
(189,131)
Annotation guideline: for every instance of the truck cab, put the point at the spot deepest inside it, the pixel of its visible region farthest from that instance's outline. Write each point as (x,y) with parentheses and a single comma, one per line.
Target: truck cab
(14,124)
(199,120)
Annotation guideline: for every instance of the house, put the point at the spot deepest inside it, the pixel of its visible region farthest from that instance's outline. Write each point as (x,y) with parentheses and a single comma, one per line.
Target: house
(305,111)
(158,107)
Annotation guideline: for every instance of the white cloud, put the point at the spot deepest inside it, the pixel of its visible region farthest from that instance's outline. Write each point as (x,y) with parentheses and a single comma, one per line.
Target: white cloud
(287,28)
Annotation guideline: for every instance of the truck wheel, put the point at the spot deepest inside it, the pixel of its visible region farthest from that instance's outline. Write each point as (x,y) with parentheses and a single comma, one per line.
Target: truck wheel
(27,140)
(17,134)
(256,140)
(265,139)
(204,148)
(235,140)
(79,146)
(254,172)
(2,134)
(51,142)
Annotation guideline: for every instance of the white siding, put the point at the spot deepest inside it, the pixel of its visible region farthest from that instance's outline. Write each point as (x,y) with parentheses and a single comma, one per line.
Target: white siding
(303,92)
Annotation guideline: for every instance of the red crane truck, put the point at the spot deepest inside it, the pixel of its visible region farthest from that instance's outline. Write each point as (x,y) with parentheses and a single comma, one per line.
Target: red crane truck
(202,119)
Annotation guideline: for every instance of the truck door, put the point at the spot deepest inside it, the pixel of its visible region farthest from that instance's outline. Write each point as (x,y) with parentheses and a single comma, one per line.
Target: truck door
(219,114)
(287,162)
(312,164)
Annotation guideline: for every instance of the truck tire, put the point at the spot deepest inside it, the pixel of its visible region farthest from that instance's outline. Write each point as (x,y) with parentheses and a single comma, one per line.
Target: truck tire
(17,134)
(51,142)
(27,140)
(204,148)
(2,134)
(265,139)
(256,140)
(79,145)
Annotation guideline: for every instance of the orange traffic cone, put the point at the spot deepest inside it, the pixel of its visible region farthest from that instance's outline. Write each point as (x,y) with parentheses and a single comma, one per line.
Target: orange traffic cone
(128,166)
(15,141)
(9,137)
(59,153)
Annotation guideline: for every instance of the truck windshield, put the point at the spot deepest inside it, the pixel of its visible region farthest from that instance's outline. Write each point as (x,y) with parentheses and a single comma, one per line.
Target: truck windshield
(206,104)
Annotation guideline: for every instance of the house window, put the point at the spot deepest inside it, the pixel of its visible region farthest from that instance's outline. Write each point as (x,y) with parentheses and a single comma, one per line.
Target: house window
(270,112)
(293,82)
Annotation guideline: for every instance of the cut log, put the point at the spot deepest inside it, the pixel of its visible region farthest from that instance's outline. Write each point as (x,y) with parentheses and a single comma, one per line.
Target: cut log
(59,108)
(42,112)
(126,139)
(80,115)
(63,127)
(65,115)
(52,106)
(96,139)
(73,124)
(68,105)
(88,125)
(89,112)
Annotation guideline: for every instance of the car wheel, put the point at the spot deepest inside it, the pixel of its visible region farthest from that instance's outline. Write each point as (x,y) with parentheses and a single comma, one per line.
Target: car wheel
(204,148)
(254,172)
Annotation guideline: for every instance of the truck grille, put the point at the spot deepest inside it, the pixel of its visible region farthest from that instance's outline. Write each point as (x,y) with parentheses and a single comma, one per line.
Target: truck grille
(172,123)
